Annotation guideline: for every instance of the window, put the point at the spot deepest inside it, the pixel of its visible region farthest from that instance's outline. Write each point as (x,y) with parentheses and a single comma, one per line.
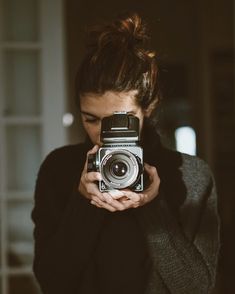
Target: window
(186,140)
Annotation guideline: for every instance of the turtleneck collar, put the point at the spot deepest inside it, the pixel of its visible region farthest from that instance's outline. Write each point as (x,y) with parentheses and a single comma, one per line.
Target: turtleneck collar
(151,144)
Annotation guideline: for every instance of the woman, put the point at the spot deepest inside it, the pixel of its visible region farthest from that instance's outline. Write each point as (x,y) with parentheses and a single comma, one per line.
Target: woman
(161,240)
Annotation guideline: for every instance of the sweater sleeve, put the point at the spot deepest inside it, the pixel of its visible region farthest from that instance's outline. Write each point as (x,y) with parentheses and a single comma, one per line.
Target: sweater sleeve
(185,250)
(66,227)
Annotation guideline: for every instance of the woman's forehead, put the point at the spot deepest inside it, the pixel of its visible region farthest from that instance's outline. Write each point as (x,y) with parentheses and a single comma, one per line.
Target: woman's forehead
(109,102)
(111,95)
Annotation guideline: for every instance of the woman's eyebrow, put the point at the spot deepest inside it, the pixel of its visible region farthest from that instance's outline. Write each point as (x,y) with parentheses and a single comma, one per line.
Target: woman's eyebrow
(95,116)
(131,112)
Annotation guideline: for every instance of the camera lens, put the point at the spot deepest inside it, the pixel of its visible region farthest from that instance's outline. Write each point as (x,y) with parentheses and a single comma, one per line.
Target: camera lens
(119,168)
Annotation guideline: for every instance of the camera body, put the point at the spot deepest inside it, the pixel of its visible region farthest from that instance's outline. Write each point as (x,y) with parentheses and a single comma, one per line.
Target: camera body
(120,158)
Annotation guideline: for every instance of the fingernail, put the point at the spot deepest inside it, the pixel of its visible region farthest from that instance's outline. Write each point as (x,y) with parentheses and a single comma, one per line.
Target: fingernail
(96,147)
(99,177)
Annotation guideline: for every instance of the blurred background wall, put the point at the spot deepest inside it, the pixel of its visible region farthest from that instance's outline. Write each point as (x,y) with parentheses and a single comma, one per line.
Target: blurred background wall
(41,44)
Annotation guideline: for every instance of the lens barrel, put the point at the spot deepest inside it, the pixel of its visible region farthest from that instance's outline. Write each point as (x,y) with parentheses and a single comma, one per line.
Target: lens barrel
(120,169)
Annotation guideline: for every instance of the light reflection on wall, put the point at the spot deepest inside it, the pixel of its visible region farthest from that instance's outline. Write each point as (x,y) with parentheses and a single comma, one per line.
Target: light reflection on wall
(68,119)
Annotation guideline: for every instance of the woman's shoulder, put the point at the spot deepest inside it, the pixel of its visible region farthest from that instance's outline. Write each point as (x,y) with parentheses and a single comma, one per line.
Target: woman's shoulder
(196,173)
(195,168)
(188,164)
(66,151)
(190,181)
(192,170)
(65,157)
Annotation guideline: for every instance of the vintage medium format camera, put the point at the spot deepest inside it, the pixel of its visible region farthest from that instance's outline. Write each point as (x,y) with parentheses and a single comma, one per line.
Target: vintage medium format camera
(120,158)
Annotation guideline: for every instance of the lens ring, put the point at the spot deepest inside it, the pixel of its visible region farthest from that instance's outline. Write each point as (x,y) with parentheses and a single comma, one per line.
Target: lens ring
(132,169)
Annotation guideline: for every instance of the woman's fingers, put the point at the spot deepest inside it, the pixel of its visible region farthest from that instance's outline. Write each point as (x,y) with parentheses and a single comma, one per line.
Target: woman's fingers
(113,205)
(92,177)
(87,185)
(92,151)
(151,171)
(139,199)
(124,199)
(117,200)
(132,199)
(101,204)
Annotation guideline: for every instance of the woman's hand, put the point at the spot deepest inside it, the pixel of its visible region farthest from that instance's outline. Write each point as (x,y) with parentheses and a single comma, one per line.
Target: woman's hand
(117,200)
(89,189)
(132,199)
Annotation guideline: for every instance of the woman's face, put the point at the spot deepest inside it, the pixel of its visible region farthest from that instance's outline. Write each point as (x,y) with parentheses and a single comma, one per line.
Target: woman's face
(94,107)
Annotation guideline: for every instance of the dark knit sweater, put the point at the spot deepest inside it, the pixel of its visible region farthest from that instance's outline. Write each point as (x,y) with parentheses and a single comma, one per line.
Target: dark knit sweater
(180,226)
(121,258)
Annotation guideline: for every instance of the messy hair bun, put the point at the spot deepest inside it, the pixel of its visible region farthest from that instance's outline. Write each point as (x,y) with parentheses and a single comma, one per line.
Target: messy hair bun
(119,59)
(126,31)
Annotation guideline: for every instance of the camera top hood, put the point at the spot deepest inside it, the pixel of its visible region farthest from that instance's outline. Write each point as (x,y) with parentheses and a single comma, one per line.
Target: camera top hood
(120,127)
